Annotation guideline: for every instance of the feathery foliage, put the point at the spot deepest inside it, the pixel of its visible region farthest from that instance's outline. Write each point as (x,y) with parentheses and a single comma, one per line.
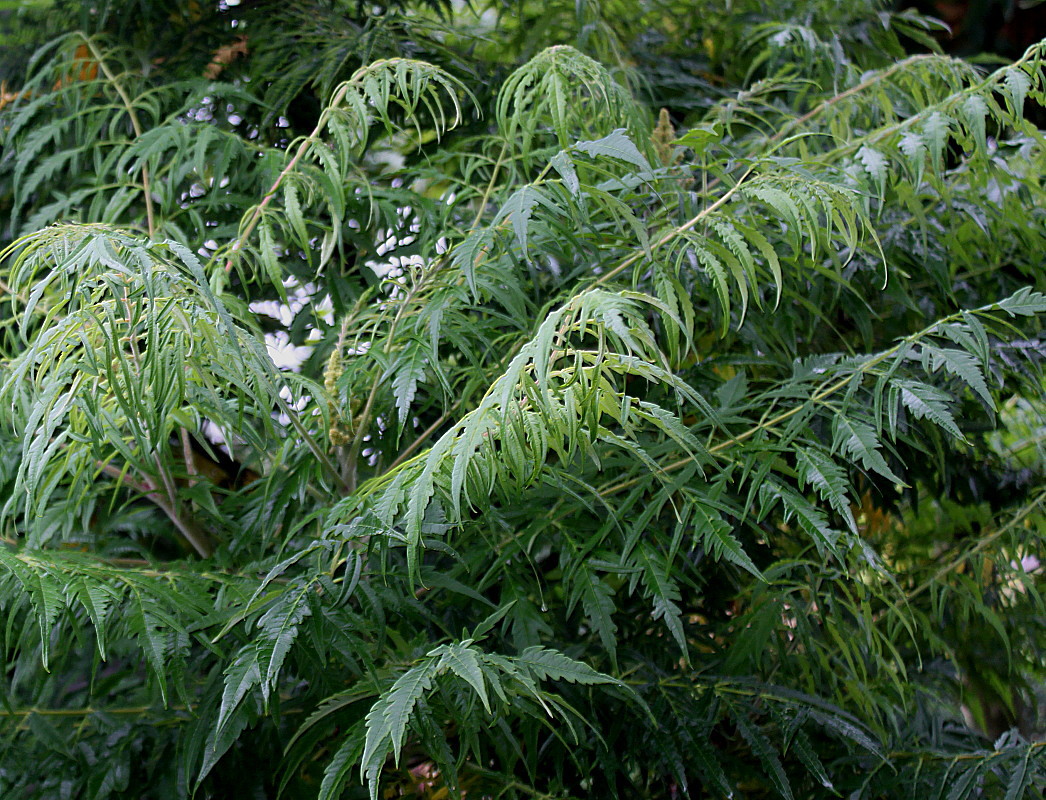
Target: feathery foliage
(625,399)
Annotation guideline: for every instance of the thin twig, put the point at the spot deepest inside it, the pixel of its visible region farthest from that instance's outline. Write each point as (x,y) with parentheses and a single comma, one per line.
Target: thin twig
(420,440)
(768,424)
(980,755)
(303,148)
(490,188)
(632,259)
(966,554)
(187,527)
(188,455)
(135,124)
(788,127)
(748,434)
(185,524)
(425,434)
(362,423)
(87,711)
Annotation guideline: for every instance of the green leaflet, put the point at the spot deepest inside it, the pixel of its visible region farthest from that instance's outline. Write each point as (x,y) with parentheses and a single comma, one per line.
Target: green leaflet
(822,473)
(598,605)
(518,210)
(242,674)
(387,719)
(460,660)
(858,439)
(716,535)
(766,753)
(408,370)
(663,591)
(547,664)
(278,629)
(925,402)
(97,598)
(960,364)
(811,519)
(615,145)
(1020,778)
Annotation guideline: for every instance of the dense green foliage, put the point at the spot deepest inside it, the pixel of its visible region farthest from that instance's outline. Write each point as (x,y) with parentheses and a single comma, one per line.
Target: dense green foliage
(665,415)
